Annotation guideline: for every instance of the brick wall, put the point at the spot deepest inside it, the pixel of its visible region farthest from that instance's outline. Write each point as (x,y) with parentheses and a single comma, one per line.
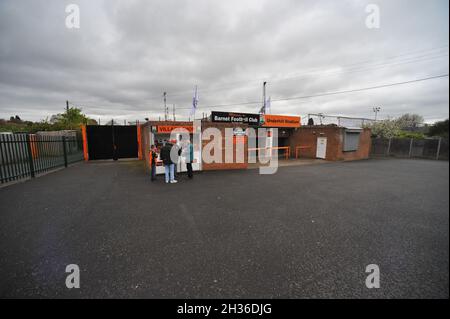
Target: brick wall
(363,152)
(223,166)
(307,136)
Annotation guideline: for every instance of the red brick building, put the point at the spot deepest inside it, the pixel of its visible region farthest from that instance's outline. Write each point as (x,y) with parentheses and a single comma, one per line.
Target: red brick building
(342,144)
(328,142)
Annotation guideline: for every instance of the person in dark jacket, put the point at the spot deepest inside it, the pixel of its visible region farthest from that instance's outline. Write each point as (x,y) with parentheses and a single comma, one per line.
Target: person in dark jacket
(189,158)
(169,155)
(169,166)
(152,158)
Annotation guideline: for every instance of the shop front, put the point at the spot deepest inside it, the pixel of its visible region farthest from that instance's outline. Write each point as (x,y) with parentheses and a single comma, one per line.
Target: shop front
(159,133)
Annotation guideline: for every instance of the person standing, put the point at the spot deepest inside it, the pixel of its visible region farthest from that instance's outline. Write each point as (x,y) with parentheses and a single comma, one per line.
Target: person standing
(175,153)
(152,157)
(169,165)
(189,159)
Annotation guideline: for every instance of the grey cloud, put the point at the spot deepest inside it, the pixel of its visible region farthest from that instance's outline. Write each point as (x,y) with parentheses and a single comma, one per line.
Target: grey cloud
(127,53)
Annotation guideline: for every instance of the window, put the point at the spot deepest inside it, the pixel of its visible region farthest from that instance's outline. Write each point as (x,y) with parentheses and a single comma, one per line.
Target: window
(351,140)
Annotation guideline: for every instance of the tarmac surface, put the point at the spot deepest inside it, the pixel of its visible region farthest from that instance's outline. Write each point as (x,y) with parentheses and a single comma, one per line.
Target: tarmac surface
(306,232)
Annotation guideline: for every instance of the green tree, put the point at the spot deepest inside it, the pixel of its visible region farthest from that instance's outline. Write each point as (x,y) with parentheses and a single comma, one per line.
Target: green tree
(385,128)
(406,126)
(409,121)
(71,119)
(439,129)
(409,134)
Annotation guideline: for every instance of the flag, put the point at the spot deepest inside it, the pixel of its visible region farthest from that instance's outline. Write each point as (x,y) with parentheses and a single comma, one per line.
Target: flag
(194,101)
(268,106)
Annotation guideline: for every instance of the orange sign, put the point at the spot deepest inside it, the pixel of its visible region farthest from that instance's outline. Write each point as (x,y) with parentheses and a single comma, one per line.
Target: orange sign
(281,121)
(170,128)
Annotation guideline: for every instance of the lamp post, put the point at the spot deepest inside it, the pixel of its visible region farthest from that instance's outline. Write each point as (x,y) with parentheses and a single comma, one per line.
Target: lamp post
(166,110)
(376,109)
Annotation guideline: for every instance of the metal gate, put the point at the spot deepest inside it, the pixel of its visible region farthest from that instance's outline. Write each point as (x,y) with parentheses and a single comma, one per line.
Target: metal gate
(112,141)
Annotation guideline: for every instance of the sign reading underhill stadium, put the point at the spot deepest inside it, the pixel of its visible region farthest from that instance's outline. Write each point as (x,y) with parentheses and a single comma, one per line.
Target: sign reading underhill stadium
(241,118)
(269,120)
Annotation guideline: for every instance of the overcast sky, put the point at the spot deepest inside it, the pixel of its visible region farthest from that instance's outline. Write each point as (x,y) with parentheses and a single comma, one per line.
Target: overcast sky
(127,53)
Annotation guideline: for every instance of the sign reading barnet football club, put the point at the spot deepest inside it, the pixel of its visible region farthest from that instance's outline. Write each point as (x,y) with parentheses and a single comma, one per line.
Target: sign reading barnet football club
(229,117)
(266,120)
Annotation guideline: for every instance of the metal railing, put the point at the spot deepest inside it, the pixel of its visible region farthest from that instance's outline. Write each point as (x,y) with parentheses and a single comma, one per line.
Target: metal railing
(268,152)
(298,148)
(342,121)
(28,155)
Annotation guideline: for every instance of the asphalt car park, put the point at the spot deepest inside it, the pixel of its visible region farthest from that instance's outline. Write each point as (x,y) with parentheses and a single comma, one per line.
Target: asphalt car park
(307,231)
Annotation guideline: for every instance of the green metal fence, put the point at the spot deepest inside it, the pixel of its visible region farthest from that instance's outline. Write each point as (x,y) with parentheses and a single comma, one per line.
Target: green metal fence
(28,155)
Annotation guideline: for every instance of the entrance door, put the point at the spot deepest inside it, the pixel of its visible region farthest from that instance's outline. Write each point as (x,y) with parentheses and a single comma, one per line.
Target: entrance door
(125,140)
(321,151)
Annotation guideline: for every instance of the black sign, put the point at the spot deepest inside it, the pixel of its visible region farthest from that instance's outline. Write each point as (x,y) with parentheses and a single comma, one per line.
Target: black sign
(229,117)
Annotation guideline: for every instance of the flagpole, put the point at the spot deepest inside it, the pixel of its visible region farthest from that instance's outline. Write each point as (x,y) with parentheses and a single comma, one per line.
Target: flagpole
(194,102)
(264,97)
